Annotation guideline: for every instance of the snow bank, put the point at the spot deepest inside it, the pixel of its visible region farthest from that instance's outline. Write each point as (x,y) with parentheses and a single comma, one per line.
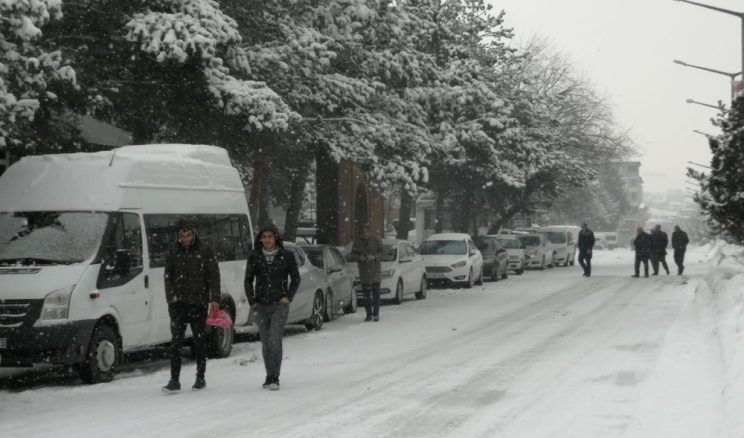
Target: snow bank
(721,293)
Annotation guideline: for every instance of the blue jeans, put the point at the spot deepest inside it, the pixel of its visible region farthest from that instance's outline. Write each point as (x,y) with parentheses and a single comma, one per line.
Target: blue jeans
(271,320)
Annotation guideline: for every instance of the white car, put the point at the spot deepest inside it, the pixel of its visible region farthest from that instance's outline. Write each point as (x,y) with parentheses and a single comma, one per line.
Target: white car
(559,240)
(402,268)
(452,258)
(517,260)
(538,251)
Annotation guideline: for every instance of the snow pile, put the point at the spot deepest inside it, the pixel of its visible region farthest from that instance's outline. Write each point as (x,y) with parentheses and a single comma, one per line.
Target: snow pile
(722,294)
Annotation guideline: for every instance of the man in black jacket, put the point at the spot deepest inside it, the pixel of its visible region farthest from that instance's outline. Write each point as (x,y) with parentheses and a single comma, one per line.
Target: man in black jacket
(642,244)
(659,242)
(192,281)
(679,243)
(586,245)
(277,278)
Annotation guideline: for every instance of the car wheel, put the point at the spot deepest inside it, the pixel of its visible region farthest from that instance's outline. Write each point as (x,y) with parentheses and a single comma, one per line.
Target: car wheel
(330,308)
(398,292)
(315,322)
(480,277)
(421,294)
(103,358)
(469,283)
(352,306)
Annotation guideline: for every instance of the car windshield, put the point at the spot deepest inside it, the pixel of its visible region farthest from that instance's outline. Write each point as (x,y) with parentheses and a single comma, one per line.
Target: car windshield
(611,237)
(556,237)
(50,237)
(530,240)
(315,256)
(443,247)
(485,245)
(390,253)
(510,243)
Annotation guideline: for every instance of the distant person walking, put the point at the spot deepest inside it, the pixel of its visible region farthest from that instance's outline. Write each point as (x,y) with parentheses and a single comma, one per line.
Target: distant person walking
(277,278)
(642,245)
(368,250)
(586,245)
(192,280)
(659,243)
(679,243)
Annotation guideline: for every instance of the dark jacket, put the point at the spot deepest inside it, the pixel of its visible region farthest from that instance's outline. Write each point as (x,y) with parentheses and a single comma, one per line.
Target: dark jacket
(275,280)
(369,271)
(586,240)
(192,274)
(642,244)
(659,242)
(679,239)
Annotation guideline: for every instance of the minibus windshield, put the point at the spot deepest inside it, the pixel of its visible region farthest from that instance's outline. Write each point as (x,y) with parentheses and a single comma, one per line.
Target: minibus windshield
(49,237)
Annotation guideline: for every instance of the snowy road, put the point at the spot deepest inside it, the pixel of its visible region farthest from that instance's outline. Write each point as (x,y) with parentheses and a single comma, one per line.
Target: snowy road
(547,354)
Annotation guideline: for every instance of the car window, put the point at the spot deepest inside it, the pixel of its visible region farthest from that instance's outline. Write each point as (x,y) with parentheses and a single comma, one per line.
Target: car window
(389,253)
(486,245)
(338,259)
(530,240)
(556,236)
(443,247)
(298,255)
(511,243)
(315,256)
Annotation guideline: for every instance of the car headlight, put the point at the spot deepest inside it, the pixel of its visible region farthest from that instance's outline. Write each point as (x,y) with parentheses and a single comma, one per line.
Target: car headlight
(460,264)
(56,305)
(387,273)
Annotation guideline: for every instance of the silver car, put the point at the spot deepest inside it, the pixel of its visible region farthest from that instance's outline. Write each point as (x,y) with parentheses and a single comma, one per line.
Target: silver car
(340,293)
(538,251)
(516,252)
(308,305)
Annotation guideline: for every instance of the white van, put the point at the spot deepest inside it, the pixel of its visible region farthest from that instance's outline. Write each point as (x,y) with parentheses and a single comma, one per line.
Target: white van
(83,239)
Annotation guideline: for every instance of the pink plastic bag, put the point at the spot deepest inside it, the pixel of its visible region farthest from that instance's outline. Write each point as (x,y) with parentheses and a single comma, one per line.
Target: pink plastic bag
(219,318)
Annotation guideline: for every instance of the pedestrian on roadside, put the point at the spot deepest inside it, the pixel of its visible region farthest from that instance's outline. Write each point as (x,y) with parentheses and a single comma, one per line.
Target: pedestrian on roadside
(586,245)
(277,278)
(642,245)
(679,243)
(659,243)
(192,281)
(368,250)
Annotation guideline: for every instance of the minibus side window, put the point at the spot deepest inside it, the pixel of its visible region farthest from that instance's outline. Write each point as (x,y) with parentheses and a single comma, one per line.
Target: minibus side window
(122,252)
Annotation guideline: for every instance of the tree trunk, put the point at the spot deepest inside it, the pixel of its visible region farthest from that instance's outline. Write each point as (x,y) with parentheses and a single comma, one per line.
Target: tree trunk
(326,211)
(438,226)
(404,216)
(295,201)
(257,205)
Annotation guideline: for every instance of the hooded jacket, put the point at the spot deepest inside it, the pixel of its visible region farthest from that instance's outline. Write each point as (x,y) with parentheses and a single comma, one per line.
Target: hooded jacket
(192,274)
(275,280)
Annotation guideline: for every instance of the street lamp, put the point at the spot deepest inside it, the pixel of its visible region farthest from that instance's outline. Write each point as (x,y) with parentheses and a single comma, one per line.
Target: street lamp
(718,107)
(725,11)
(731,76)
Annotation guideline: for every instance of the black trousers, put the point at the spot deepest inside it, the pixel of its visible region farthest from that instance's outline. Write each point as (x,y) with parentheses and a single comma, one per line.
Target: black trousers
(372,299)
(585,260)
(679,259)
(181,315)
(638,260)
(656,258)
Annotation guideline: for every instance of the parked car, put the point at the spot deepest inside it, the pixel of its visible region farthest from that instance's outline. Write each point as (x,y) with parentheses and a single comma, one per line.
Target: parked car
(340,293)
(573,239)
(308,305)
(403,271)
(600,241)
(452,258)
(495,258)
(611,241)
(559,239)
(538,251)
(515,251)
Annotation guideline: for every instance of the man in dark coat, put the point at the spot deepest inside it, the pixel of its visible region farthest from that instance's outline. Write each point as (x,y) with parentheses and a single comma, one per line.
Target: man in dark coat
(679,243)
(192,281)
(277,278)
(368,250)
(586,245)
(659,242)
(642,245)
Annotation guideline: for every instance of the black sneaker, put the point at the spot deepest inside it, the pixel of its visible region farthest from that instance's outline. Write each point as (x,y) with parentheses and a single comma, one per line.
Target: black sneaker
(377,318)
(199,384)
(172,387)
(368,318)
(274,385)
(267,382)
(635,275)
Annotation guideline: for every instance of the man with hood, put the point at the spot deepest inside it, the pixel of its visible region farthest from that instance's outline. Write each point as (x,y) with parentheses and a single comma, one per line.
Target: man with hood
(192,281)
(368,250)
(679,243)
(659,242)
(277,278)
(586,244)
(642,244)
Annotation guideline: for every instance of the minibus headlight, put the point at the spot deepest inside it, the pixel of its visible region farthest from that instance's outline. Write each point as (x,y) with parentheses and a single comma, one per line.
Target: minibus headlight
(56,305)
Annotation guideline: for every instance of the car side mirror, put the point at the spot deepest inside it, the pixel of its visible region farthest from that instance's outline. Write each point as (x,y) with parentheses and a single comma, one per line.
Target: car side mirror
(335,268)
(405,260)
(500,251)
(472,252)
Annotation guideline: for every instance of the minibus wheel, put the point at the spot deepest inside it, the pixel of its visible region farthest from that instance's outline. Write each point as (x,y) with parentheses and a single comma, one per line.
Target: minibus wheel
(103,358)
(219,340)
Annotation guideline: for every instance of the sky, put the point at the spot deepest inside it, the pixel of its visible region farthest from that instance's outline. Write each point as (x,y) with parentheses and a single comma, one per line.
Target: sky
(626,49)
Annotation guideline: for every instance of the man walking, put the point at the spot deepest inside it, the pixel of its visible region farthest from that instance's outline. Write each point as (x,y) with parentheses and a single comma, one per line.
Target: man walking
(277,278)
(368,250)
(659,242)
(192,280)
(586,244)
(642,244)
(679,243)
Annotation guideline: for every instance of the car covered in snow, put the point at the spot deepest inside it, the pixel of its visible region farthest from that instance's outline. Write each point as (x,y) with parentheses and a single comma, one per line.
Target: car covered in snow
(495,257)
(452,258)
(341,293)
(538,250)
(517,259)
